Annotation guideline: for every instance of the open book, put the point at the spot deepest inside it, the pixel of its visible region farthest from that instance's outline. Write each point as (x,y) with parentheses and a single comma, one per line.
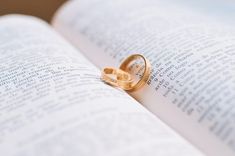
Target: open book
(53,103)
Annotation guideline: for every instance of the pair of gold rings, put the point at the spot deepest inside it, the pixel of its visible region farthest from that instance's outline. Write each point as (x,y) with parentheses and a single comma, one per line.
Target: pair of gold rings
(122,78)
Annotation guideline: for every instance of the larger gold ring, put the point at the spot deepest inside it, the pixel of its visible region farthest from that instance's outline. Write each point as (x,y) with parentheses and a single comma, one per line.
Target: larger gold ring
(146,74)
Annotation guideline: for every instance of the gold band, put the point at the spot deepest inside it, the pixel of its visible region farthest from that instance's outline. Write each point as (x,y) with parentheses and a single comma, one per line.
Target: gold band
(117,78)
(146,74)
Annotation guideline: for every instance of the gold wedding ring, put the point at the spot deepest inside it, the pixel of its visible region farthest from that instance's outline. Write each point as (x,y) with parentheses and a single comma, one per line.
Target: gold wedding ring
(117,78)
(146,74)
(122,78)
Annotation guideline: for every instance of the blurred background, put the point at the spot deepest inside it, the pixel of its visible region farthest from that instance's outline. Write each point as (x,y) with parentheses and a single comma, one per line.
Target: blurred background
(45,9)
(40,8)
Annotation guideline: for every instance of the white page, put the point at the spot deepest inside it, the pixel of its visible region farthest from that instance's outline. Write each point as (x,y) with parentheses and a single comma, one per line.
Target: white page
(193,82)
(52,102)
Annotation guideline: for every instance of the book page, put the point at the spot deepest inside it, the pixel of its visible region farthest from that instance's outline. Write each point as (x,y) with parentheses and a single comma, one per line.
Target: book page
(192,85)
(53,103)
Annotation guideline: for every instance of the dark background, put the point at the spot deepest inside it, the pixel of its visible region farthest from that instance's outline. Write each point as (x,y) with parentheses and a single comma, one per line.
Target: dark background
(40,8)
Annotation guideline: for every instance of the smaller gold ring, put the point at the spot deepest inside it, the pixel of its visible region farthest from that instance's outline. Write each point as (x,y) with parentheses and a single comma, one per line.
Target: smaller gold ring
(120,78)
(146,74)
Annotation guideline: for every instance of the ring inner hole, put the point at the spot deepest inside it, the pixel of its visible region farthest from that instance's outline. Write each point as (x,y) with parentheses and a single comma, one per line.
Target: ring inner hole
(136,69)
